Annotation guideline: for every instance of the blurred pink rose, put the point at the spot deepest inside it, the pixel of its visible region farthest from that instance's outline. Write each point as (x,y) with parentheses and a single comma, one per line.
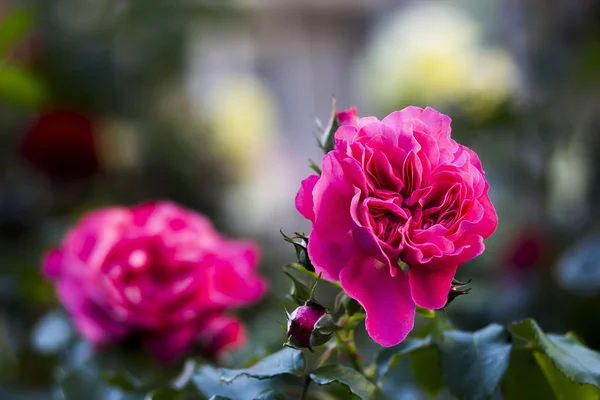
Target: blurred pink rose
(157,271)
(396,190)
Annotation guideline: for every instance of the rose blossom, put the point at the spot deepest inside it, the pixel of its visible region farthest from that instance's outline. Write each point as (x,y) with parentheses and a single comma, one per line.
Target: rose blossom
(396,190)
(156,271)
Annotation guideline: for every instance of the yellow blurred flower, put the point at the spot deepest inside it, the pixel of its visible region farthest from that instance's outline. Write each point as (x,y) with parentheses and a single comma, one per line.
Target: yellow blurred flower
(431,53)
(242,114)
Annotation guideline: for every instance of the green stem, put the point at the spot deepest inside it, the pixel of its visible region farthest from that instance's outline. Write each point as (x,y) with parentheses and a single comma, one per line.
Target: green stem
(350,347)
(307,383)
(324,357)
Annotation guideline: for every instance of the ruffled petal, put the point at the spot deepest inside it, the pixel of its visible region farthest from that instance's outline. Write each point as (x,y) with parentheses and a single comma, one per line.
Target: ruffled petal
(329,257)
(429,286)
(387,300)
(304,198)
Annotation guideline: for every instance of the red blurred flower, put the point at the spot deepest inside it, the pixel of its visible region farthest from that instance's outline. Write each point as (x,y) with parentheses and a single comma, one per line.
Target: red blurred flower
(61,143)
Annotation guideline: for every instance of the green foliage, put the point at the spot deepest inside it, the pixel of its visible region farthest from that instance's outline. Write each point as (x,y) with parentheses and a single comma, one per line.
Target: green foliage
(355,382)
(13,28)
(425,366)
(328,135)
(473,364)
(299,292)
(20,86)
(285,361)
(570,369)
(523,368)
(390,357)
(207,380)
(271,395)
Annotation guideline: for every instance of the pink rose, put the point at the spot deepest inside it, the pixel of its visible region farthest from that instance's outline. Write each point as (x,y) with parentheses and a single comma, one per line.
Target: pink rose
(157,271)
(396,190)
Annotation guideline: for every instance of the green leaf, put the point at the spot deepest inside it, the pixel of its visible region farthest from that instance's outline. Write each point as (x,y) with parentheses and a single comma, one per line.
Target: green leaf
(300,291)
(389,357)
(425,366)
(166,394)
(570,368)
(207,381)
(312,275)
(328,136)
(217,397)
(14,27)
(524,379)
(122,380)
(353,380)
(83,383)
(315,167)
(473,364)
(20,86)
(271,395)
(285,361)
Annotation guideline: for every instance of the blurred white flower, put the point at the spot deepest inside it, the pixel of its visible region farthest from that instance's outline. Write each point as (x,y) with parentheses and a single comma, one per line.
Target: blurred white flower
(431,53)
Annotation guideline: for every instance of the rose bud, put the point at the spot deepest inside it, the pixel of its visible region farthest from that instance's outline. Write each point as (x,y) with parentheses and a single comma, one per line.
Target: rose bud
(157,273)
(61,144)
(309,325)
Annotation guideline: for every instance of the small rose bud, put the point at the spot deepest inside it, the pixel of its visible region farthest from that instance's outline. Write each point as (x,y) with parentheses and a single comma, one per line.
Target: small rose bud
(309,325)
(348,117)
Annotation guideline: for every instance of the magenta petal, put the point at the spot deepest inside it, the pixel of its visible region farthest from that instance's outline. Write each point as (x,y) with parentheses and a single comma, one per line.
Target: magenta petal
(430,286)
(387,301)
(329,257)
(304,198)
(52,262)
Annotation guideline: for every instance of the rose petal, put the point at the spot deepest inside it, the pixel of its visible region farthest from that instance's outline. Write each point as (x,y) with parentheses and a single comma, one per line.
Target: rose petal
(329,256)
(304,198)
(51,263)
(387,301)
(221,334)
(429,286)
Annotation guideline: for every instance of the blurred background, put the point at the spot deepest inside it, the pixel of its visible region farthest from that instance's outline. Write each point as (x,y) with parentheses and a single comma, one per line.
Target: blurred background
(212,104)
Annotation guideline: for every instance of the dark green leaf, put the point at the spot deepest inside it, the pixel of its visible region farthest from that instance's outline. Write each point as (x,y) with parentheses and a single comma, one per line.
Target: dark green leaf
(13,28)
(315,167)
(122,380)
(166,394)
(207,381)
(328,137)
(524,379)
(84,383)
(577,362)
(285,361)
(353,380)
(570,368)
(271,395)
(312,275)
(300,291)
(388,358)
(473,364)
(425,366)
